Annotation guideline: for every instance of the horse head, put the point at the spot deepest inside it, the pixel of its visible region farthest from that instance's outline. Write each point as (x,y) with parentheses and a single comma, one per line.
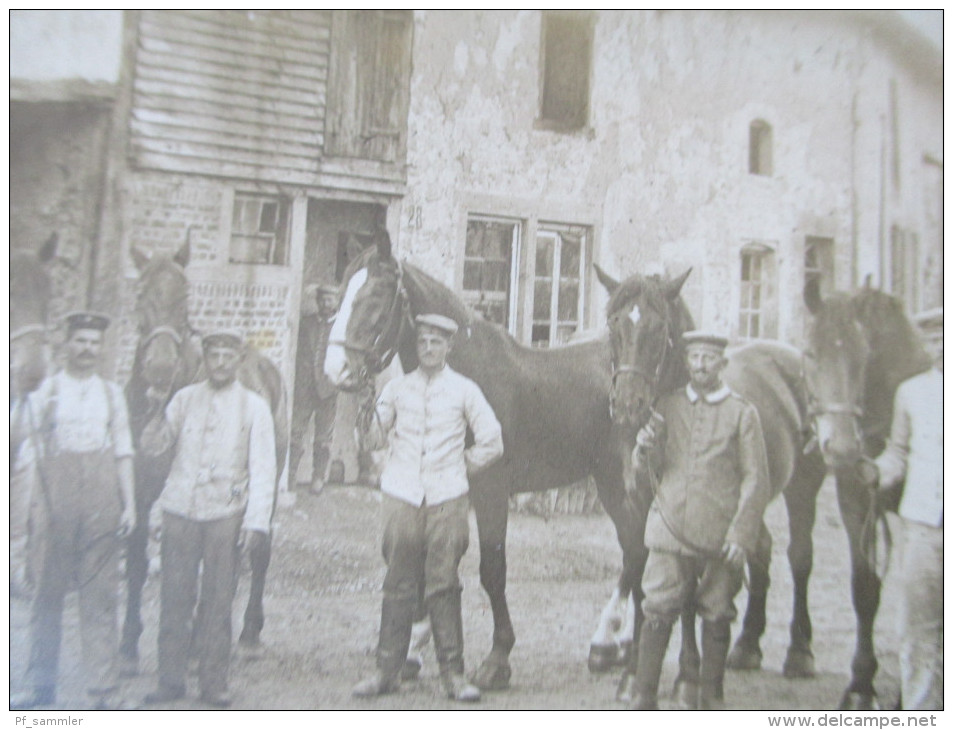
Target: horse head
(162,317)
(859,348)
(646,317)
(365,334)
(30,291)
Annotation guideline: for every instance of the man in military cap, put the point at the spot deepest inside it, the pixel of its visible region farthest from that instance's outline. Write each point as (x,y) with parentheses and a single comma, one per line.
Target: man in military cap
(914,459)
(703,454)
(218,498)
(425,414)
(82,506)
(314,392)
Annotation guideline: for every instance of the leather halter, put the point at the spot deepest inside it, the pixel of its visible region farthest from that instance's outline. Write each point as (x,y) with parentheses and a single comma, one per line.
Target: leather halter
(384,347)
(636,369)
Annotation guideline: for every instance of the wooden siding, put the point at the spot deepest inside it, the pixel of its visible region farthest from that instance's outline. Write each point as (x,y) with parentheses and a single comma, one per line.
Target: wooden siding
(233,93)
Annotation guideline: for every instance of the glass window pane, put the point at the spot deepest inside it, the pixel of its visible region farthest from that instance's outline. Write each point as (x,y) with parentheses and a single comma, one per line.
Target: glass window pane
(565,332)
(269,217)
(545,249)
(569,257)
(568,304)
(471,274)
(540,336)
(542,292)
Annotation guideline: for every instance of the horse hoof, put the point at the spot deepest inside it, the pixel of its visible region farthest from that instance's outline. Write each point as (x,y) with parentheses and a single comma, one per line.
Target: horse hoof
(411,669)
(799,664)
(686,695)
(603,657)
(626,691)
(860,701)
(744,659)
(492,676)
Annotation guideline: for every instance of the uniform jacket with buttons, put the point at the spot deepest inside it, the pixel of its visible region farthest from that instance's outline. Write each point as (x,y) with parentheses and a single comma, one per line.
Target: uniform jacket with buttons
(425,419)
(224,455)
(714,483)
(915,449)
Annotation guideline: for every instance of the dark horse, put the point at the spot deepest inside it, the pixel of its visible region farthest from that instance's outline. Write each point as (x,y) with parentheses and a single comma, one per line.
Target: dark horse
(168,357)
(552,404)
(30,293)
(645,328)
(860,348)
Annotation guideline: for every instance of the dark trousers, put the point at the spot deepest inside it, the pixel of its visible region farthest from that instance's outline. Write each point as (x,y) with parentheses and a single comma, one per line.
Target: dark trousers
(423,546)
(185,545)
(74,546)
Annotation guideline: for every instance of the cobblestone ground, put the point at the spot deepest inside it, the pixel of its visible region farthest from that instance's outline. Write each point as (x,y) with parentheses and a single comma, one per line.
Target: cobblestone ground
(323,600)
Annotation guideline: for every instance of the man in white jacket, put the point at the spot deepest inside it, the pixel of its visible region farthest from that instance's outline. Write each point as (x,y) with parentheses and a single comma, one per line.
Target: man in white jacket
(218,498)
(425,504)
(914,456)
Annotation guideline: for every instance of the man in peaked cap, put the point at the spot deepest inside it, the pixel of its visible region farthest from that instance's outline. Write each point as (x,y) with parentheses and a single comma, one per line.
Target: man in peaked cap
(704,455)
(81,508)
(914,459)
(314,392)
(425,415)
(218,498)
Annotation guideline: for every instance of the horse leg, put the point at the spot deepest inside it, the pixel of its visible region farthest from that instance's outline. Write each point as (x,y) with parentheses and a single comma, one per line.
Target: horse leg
(801,500)
(746,653)
(860,694)
(137,570)
(254,612)
(491,513)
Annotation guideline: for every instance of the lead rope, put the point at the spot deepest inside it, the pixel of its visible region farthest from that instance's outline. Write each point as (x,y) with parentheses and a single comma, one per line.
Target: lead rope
(875,531)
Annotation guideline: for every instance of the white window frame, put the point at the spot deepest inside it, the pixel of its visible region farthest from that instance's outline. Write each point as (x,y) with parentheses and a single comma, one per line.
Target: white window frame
(281,235)
(512,303)
(554,232)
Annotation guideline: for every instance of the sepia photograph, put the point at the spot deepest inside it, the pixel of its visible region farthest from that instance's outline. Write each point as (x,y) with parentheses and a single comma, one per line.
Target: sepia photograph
(433,360)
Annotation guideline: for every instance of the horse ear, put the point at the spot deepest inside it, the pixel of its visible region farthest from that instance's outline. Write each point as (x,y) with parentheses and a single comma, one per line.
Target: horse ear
(48,249)
(139,257)
(184,253)
(607,281)
(674,287)
(867,280)
(812,294)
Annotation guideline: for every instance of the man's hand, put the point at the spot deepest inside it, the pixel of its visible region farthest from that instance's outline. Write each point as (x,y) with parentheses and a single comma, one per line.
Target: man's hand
(868,473)
(251,541)
(127,522)
(733,555)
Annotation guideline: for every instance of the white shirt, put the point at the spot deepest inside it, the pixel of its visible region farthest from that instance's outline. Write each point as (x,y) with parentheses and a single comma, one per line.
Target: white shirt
(224,455)
(79,415)
(915,449)
(427,419)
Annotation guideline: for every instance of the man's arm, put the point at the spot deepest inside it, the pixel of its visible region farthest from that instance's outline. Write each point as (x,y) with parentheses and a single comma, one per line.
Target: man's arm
(892,463)
(262,468)
(755,488)
(487,432)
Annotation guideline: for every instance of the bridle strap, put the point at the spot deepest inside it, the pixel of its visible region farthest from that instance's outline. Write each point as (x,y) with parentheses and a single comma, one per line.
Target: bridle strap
(163,330)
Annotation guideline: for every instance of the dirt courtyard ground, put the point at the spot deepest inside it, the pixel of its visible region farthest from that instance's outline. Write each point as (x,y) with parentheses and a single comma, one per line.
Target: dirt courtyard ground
(322,608)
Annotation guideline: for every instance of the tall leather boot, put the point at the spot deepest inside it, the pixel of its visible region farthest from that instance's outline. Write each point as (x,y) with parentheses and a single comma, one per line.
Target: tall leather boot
(716,637)
(397,617)
(653,641)
(446,621)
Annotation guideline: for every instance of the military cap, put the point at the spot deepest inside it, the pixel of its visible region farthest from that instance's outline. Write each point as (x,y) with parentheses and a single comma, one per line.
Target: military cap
(930,322)
(445,324)
(701,337)
(85,321)
(224,338)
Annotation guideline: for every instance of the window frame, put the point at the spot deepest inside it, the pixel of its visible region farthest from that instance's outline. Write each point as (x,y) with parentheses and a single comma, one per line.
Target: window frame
(512,298)
(760,148)
(556,231)
(765,310)
(279,254)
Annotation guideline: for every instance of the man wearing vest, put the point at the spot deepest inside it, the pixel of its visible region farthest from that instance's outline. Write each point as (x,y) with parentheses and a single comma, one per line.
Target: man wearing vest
(82,506)
(706,454)
(425,505)
(217,500)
